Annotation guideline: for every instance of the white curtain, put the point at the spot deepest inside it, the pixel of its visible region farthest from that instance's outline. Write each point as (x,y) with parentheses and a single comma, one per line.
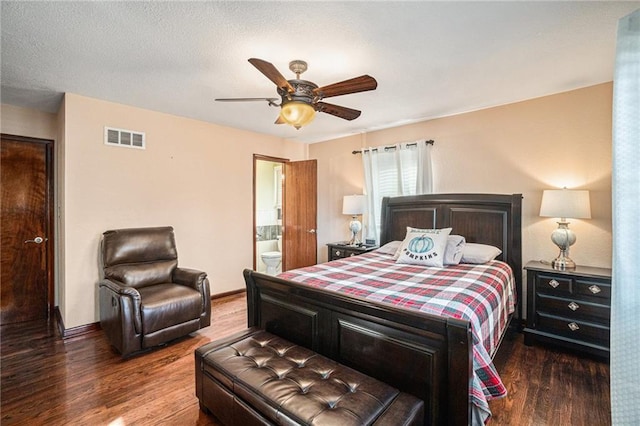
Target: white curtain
(401,169)
(625,289)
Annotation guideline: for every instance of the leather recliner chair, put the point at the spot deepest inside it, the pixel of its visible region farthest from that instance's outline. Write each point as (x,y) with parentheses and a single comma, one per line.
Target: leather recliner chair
(145,299)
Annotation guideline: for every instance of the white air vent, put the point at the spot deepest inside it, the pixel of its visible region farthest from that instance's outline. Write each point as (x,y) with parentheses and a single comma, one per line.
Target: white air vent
(122,137)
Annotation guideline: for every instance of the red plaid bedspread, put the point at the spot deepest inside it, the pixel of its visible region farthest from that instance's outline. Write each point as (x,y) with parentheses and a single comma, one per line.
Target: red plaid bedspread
(484,295)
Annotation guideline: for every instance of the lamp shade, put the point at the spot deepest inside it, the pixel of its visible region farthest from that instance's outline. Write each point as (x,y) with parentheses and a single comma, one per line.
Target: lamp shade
(353,204)
(565,203)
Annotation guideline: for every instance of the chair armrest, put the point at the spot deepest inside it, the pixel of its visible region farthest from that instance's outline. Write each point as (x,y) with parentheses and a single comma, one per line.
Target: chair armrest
(121,290)
(189,277)
(197,280)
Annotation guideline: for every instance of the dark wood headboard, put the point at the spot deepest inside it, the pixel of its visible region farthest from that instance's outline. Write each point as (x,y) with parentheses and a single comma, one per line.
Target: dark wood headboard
(493,219)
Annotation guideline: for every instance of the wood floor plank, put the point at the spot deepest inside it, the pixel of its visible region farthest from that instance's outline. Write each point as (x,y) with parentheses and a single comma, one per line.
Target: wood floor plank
(83,381)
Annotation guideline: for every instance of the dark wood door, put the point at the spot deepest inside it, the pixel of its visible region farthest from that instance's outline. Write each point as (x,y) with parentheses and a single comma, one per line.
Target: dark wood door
(25,206)
(300,214)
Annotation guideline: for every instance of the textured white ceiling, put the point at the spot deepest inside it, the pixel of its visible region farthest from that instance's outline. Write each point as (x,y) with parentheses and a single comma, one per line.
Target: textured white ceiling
(430,59)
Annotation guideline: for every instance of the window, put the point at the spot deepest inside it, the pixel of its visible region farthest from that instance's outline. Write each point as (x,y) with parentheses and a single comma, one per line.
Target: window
(402,169)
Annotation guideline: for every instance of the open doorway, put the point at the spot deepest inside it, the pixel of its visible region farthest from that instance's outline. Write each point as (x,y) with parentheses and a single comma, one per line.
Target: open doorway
(284,214)
(268,213)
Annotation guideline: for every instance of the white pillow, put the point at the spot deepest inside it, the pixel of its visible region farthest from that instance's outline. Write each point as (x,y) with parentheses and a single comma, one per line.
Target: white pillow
(424,247)
(479,253)
(390,248)
(454,249)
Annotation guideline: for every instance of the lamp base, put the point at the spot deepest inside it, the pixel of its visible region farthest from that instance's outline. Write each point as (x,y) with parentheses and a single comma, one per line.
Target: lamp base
(355,226)
(564,238)
(563,262)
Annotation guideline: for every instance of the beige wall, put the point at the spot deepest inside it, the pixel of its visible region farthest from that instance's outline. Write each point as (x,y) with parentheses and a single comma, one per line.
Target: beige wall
(549,142)
(28,122)
(59,209)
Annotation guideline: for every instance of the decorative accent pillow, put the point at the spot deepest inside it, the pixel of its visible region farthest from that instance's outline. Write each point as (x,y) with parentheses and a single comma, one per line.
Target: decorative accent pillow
(409,229)
(479,253)
(452,252)
(454,249)
(424,247)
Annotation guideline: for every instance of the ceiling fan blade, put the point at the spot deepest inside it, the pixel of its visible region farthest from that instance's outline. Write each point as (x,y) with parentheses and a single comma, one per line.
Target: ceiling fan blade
(272,74)
(337,110)
(245,99)
(270,101)
(354,85)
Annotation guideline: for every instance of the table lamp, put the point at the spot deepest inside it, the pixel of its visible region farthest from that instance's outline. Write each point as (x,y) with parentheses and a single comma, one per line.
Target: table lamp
(565,203)
(353,205)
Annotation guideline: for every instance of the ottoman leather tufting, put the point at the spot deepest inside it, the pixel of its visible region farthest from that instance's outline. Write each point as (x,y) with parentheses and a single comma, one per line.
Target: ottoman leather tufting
(256,377)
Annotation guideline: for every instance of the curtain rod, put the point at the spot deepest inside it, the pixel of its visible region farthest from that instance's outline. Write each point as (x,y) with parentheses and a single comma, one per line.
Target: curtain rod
(429,142)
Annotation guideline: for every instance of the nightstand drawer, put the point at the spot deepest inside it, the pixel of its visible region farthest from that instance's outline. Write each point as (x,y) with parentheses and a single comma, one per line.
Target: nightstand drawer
(342,250)
(595,290)
(339,253)
(573,329)
(555,285)
(574,309)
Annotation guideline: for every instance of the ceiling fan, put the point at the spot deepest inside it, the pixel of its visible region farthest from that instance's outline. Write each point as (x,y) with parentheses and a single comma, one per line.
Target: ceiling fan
(300,99)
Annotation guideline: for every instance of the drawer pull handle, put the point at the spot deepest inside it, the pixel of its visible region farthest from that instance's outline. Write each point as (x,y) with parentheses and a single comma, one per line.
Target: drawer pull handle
(338,253)
(554,283)
(352,254)
(573,306)
(594,289)
(573,326)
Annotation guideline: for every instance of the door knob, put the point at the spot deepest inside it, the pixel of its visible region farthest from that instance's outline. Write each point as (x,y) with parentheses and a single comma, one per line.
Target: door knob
(37,240)
(311,231)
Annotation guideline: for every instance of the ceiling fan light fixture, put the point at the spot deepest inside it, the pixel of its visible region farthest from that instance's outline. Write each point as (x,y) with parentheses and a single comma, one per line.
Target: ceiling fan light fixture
(300,99)
(297,114)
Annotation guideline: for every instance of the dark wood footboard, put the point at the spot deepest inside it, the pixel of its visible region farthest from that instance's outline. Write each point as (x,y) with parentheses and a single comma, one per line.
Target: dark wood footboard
(427,356)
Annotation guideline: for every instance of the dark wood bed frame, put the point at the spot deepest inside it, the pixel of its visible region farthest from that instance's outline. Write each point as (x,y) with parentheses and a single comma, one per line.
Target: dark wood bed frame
(424,355)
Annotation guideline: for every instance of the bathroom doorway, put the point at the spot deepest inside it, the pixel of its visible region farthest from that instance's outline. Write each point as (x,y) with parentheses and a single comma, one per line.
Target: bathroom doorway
(267,213)
(284,214)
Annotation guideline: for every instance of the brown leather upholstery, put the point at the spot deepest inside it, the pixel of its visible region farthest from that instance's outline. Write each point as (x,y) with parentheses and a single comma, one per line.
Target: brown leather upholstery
(145,299)
(256,377)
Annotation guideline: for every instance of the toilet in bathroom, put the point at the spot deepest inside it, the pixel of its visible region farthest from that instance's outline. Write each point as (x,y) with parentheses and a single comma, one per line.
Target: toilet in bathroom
(273,258)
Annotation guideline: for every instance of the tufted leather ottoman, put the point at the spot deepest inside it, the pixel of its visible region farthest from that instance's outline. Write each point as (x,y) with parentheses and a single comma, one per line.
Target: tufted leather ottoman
(257,378)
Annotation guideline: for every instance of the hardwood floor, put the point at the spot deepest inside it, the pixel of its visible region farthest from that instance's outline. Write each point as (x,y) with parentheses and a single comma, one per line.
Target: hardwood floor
(82,381)
(548,386)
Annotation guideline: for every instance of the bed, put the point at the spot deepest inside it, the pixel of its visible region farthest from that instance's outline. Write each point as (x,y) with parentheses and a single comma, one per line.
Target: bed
(431,356)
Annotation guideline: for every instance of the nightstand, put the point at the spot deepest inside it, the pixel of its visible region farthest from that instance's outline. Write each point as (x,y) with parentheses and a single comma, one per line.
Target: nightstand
(343,249)
(569,308)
